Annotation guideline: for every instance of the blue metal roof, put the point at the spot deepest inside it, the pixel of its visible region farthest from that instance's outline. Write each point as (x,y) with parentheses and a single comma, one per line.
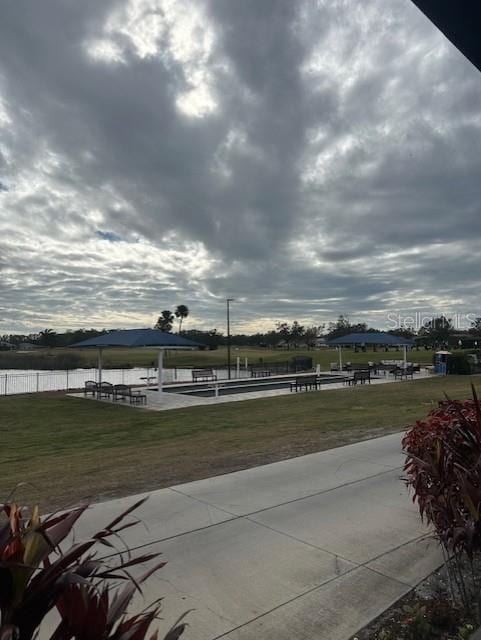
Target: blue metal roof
(378,337)
(138,338)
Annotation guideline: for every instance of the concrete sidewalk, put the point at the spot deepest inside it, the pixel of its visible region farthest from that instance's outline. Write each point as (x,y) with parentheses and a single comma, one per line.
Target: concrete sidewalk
(312,547)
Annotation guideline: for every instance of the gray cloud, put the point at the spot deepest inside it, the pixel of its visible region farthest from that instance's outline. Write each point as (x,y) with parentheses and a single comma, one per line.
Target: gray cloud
(308,158)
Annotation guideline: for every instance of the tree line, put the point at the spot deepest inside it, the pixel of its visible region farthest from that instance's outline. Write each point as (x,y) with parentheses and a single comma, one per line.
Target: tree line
(438,332)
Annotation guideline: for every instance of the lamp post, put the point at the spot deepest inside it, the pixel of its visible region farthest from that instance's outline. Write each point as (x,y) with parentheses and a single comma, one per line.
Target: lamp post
(229,300)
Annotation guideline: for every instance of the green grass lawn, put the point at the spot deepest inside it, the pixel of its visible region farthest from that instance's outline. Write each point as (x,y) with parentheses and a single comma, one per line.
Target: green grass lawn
(70,449)
(147,357)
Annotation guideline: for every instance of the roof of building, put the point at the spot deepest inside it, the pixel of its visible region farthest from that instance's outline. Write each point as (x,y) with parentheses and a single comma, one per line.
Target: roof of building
(139,338)
(372,337)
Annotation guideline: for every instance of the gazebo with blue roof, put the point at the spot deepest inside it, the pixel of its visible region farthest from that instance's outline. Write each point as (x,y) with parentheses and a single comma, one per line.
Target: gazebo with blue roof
(378,338)
(137,338)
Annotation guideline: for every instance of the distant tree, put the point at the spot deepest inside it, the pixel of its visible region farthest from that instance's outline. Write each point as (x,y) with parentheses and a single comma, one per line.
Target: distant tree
(342,327)
(17,338)
(297,333)
(475,327)
(211,339)
(284,333)
(311,334)
(165,321)
(181,312)
(270,339)
(47,338)
(290,334)
(436,332)
(403,332)
(70,337)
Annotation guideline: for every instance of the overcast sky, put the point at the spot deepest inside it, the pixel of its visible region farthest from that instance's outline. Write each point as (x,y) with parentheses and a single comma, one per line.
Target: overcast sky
(306,158)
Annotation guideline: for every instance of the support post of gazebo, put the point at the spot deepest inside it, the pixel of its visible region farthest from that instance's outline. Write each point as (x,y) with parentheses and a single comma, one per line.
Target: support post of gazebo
(160,370)
(99,365)
(340,358)
(405,356)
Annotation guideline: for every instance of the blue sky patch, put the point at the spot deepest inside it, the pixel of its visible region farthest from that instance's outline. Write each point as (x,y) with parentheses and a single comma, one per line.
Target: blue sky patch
(108,235)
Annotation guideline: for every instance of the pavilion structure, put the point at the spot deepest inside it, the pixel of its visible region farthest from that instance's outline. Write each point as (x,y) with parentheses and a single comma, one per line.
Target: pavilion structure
(138,339)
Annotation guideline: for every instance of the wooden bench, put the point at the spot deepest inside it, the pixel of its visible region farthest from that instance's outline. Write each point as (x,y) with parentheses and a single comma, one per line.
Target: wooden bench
(203,375)
(124,391)
(359,376)
(305,382)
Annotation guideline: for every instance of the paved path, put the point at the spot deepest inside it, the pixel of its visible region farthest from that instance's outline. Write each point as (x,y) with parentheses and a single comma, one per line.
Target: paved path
(167,400)
(312,547)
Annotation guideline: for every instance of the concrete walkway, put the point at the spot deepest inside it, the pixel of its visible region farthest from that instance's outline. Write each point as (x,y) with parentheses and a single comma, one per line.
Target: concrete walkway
(308,548)
(168,400)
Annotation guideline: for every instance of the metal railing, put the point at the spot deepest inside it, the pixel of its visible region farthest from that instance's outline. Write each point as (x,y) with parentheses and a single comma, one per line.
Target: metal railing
(14,382)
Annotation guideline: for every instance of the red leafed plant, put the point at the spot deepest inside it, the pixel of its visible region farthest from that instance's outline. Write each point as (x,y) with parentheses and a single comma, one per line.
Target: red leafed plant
(443,468)
(91,594)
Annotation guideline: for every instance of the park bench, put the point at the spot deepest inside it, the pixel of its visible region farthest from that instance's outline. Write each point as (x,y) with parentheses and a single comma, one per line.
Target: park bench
(357,366)
(90,387)
(305,382)
(124,392)
(260,373)
(359,376)
(406,373)
(203,375)
(384,368)
(105,390)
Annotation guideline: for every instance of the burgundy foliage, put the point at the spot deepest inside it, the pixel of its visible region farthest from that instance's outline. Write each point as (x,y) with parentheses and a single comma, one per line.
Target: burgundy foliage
(443,468)
(91,594)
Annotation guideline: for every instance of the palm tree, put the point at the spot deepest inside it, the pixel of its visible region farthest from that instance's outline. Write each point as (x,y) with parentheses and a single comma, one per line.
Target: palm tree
(165,321)
(181,312)
(48,337)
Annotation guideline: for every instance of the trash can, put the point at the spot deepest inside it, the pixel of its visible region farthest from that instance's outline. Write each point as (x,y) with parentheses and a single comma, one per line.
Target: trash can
(441,362)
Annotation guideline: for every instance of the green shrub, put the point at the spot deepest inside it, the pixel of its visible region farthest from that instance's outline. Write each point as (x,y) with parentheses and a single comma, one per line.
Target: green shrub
(12,360)
(458,363)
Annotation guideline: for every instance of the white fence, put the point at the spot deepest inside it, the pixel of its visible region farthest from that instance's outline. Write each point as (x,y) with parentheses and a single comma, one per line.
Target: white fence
(14,381)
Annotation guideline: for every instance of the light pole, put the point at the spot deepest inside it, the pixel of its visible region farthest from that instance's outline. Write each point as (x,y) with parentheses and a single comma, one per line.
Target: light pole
(229,300)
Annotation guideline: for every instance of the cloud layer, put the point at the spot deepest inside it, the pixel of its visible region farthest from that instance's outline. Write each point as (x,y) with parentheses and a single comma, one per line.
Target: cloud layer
(306,158)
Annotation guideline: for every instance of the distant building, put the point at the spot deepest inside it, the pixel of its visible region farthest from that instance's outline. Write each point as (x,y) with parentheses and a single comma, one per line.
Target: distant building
(28,346)
(6,346)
